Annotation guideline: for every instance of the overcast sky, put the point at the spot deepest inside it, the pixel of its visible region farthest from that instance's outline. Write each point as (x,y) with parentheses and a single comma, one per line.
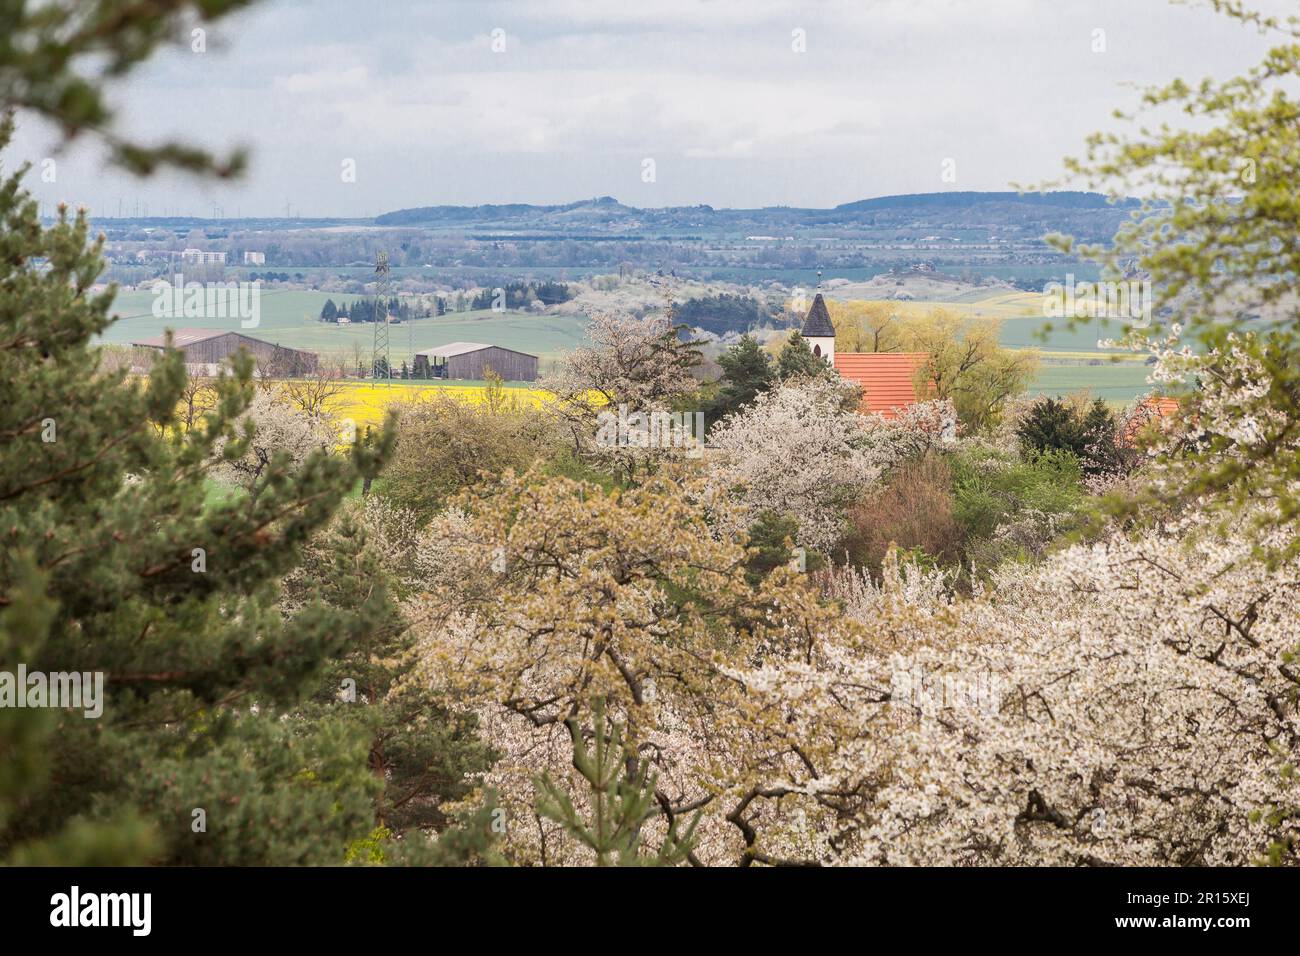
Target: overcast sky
(715,92)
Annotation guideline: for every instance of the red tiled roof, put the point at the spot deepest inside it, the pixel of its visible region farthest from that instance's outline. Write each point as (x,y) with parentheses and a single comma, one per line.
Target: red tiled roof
(1164,406)
(1153,408)
(886,378)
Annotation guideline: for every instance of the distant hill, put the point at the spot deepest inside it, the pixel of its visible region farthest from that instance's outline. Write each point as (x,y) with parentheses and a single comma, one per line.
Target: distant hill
(975,215)
(511,212)
(959,200)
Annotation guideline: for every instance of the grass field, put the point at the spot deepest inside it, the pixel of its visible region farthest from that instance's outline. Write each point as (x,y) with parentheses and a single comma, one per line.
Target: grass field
(1071,360)
(1120,382)
(290,318)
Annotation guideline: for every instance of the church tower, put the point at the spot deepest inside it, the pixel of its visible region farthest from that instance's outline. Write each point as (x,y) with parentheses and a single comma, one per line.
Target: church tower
(819,331)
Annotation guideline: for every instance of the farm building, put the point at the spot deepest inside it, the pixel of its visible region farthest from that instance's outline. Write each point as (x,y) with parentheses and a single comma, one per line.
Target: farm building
(473,359)
(888,379)
(207,349)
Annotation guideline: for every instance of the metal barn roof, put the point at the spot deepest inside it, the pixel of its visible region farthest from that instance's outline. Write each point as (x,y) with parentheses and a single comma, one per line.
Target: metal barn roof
(183,337)
(463,348)
(453,348)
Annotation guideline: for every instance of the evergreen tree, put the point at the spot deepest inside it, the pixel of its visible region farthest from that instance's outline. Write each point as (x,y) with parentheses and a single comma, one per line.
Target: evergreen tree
(746,371)
(111,542)
(418,752)
(1099,434)
(330,312)
(797,360)
(621,800)
(1052,425)
(119,566)
(58,54)
(771,544)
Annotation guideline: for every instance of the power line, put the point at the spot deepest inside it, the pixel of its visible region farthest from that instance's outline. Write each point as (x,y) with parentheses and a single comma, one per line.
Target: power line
(381,348)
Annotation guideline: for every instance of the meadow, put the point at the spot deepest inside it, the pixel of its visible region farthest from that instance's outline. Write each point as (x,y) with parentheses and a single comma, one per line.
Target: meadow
(290,318)
(1071,360)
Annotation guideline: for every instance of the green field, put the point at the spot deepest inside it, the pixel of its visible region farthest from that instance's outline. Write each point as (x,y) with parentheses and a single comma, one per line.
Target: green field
(290,318)
(1120,382)
(1072,362)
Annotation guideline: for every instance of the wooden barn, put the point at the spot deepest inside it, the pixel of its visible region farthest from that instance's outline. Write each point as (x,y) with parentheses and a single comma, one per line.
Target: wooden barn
(206,350)
(472,360)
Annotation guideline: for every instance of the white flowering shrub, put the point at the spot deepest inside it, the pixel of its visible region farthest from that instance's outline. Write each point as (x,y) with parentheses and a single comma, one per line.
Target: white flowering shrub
(1146,707)
(797,451)
(913,431)
(278,428)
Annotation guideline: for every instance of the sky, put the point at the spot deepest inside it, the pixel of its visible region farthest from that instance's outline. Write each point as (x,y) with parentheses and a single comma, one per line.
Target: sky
(352,109)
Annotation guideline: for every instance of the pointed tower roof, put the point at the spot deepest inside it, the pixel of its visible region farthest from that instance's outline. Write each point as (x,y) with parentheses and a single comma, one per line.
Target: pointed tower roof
(818,322)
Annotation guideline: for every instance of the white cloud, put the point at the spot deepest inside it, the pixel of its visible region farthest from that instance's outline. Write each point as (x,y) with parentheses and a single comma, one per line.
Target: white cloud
(711,89)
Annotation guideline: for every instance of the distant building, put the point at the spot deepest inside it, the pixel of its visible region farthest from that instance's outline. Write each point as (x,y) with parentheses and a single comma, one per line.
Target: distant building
(473,359)
(1153,412)
(254,258)
(200,266)
(819,330)
(206,350)
(201,258)
(888,379)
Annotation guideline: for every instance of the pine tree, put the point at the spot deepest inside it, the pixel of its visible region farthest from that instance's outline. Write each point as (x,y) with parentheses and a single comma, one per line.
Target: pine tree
(797,360)
(620,802)
(115,560)
(418,750)
(747,370)
(1099,436)
(1052,425)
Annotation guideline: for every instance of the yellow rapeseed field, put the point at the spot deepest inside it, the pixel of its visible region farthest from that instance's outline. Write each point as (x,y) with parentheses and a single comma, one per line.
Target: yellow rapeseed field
(366,402)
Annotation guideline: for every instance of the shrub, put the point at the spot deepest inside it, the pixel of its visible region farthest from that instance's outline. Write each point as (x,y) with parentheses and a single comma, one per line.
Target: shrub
(444,445)
(772,536)
(1055,425)
(914,510)
(1009,508)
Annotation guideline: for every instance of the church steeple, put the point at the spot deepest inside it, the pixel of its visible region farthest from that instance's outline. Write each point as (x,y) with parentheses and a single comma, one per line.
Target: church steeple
(819,330)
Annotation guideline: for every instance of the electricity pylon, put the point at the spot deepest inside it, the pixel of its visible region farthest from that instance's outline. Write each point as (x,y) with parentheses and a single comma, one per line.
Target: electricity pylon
(381,349)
